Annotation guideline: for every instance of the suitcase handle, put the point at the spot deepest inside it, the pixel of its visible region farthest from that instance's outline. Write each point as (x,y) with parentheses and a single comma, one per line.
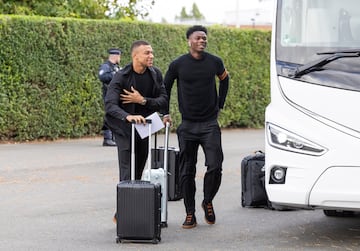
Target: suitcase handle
(166,146)
(148,121)
(132,161)
(133,123)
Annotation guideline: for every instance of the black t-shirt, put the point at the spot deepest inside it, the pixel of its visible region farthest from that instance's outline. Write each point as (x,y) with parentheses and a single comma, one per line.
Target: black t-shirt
(196,85)
(144,85)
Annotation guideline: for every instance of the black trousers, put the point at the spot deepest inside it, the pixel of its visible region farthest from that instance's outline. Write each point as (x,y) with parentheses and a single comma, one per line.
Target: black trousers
(191,135)
(123,144)
(106,130)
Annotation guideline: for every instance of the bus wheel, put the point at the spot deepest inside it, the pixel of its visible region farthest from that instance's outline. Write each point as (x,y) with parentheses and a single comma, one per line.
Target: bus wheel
(339,213)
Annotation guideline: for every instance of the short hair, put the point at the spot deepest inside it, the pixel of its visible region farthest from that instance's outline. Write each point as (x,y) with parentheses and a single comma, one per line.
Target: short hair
(137,44)
(194,28)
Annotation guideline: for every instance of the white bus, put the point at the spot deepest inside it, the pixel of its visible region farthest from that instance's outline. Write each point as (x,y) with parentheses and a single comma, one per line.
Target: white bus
(313,120)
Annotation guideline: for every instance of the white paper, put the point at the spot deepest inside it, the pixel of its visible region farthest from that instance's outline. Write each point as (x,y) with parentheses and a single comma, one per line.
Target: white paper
(156,125)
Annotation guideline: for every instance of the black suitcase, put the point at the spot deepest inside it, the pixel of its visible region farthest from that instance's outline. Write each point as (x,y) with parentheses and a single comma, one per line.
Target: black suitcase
(174,192)
(139,212)
(253,192)
(138,205)
(158,159)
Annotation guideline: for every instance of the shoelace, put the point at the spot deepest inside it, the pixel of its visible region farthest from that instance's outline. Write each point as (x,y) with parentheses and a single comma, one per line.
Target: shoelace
(209,209)
(189,218)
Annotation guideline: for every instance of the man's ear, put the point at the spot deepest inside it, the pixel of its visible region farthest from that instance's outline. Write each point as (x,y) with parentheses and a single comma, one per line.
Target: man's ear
(189,43)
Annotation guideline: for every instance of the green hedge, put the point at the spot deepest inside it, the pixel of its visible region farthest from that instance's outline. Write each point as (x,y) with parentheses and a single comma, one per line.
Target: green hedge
(48,72)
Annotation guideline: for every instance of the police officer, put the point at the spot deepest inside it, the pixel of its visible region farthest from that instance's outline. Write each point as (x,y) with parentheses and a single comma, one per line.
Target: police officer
(106,72)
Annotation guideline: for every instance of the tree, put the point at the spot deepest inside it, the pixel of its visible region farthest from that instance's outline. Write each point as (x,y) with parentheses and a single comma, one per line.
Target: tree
(93,9)
(129,8)
(183,14)
(195,14)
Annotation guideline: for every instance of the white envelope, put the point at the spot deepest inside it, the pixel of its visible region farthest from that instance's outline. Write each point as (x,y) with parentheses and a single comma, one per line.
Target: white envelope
(156,125)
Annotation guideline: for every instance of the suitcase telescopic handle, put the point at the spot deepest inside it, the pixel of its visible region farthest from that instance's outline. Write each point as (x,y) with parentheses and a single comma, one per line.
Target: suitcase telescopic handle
(166,146)
(166,157)
(132,160)
(148,121)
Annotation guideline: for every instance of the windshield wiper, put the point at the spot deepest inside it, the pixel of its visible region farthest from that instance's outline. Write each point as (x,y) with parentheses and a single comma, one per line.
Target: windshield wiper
(317,64)
(357,50)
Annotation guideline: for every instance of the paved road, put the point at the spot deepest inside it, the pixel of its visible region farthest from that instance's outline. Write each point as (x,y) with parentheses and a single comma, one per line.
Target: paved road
(61,196)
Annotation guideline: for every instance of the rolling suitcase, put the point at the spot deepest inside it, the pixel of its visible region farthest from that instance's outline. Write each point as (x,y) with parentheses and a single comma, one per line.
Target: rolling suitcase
(253,192)
(158,174)
(174,192)
(138,204)
(173,182)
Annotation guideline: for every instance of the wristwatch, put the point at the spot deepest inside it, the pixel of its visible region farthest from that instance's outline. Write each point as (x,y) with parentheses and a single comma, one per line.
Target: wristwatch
(143,102)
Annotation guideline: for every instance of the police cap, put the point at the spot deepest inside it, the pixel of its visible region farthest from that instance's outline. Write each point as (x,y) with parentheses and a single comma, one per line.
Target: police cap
(114,51)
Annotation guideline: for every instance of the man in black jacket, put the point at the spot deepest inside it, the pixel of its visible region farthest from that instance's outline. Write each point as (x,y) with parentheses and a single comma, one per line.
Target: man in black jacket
(106,73)
(199,105)
(135,92)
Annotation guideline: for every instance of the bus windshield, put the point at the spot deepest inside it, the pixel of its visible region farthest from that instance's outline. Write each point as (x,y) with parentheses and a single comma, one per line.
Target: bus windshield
(309,31)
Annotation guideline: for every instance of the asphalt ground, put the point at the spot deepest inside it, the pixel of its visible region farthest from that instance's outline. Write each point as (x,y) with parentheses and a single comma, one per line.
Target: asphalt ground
(62,195)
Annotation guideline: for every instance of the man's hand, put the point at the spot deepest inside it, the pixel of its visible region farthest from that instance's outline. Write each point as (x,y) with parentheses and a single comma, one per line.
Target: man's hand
(167,118)
(137,118)
(132,96)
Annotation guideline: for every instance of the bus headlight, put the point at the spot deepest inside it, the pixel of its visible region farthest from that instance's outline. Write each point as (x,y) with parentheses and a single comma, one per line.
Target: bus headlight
(285,140)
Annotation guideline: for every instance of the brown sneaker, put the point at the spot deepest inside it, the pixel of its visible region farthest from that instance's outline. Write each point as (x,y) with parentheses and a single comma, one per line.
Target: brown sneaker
(209,212)
(190,221)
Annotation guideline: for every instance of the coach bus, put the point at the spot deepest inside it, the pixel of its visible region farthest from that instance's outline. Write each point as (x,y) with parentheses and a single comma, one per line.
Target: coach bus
(313,119)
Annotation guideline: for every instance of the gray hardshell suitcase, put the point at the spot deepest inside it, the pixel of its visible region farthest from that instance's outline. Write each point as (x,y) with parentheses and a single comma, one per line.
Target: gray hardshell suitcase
(159,176)
(138,205)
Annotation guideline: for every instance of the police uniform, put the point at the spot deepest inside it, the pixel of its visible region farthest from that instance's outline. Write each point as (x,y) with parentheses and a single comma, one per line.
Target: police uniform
(106,72)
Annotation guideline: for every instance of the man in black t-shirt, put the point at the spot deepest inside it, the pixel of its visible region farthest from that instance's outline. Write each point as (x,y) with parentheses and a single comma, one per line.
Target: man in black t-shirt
(199,105)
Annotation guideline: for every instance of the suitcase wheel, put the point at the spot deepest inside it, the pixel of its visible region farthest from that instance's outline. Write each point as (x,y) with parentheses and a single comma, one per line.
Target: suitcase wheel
(242,200)
(156,240)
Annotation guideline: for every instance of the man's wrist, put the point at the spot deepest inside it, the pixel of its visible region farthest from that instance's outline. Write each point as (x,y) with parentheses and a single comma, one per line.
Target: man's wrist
(143,102)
